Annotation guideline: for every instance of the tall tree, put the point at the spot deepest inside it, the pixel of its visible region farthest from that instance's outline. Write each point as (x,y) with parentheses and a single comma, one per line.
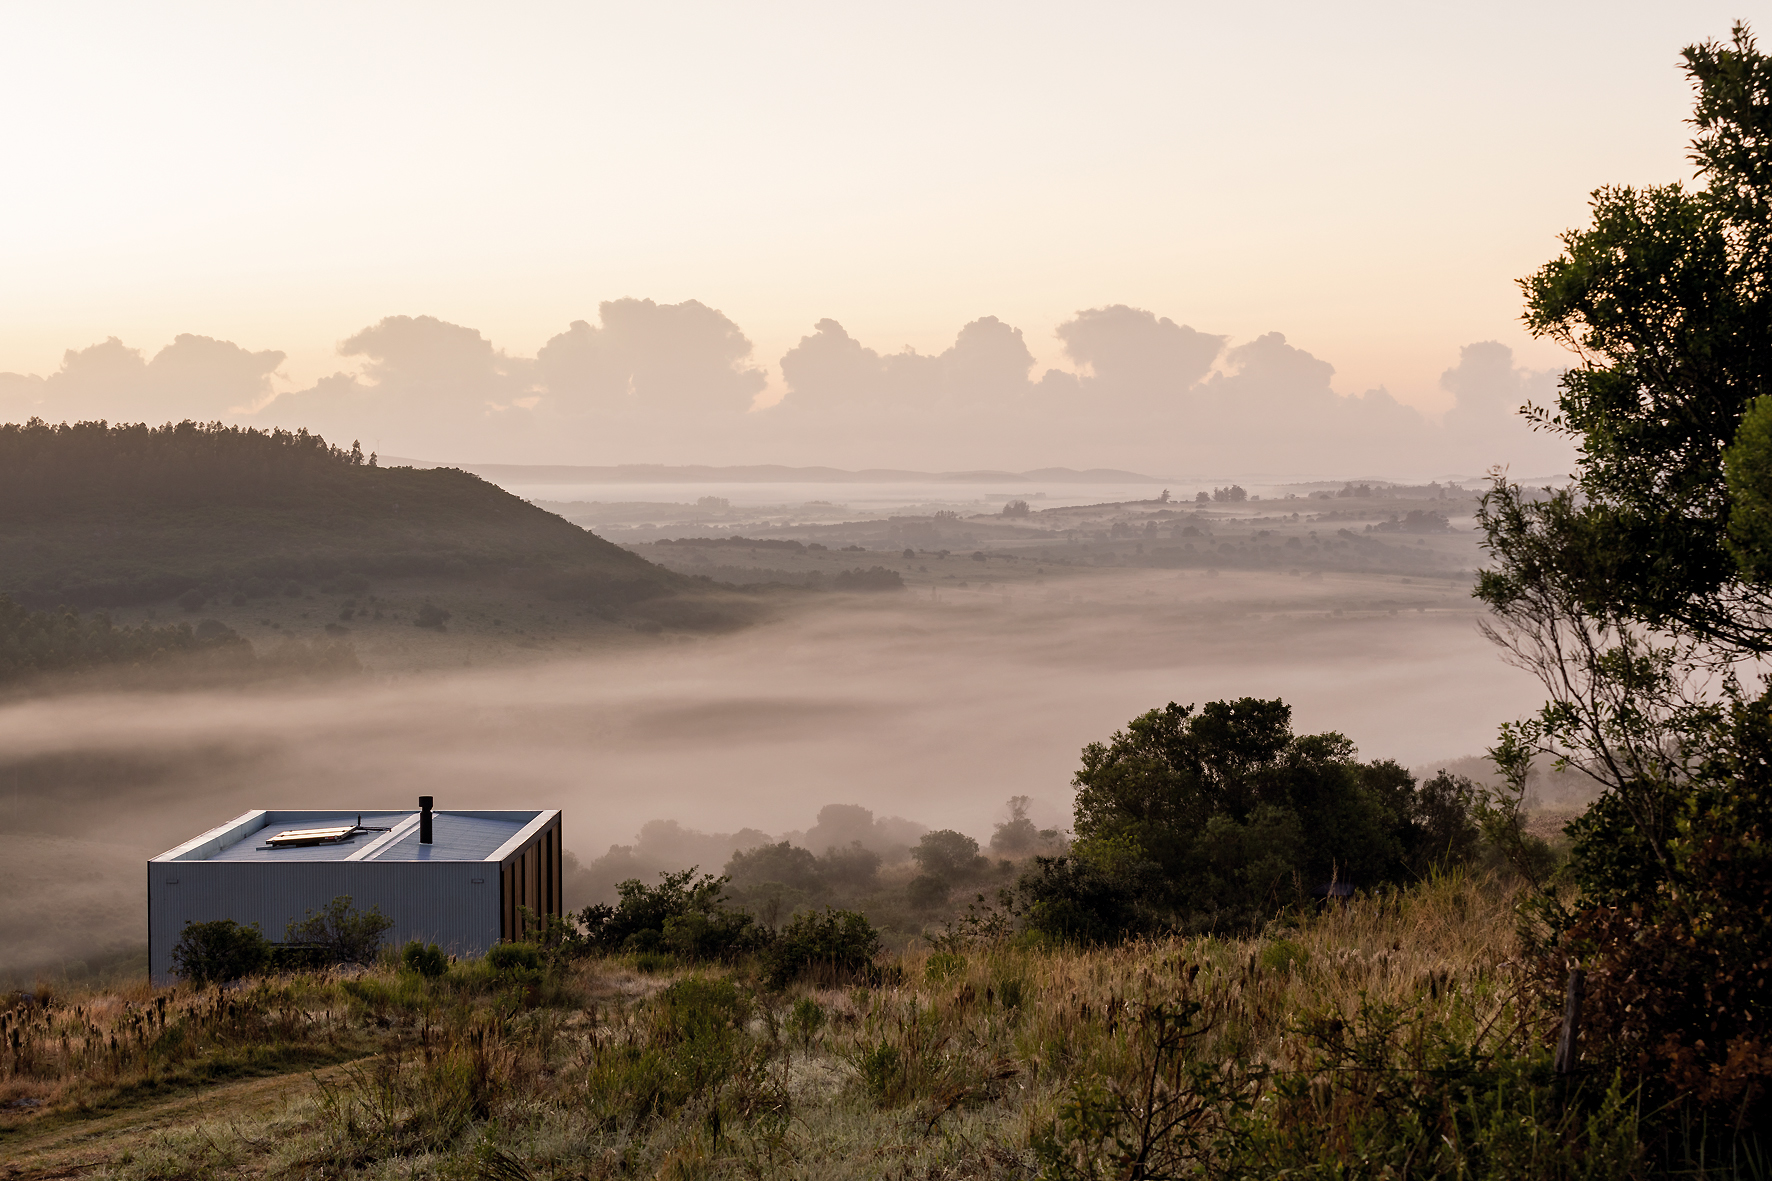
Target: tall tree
(1642,596)
(1666,301)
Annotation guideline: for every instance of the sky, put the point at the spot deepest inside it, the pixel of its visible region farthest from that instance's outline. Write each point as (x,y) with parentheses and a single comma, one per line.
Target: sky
(1368,180)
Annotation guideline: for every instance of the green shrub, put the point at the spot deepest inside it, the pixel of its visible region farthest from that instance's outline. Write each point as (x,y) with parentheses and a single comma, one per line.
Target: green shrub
(221,950)
(807,1018)
(513,958)
(426,960)
(682,914)
(881,1068)
(1010,990)
(1101,893)
(840,940)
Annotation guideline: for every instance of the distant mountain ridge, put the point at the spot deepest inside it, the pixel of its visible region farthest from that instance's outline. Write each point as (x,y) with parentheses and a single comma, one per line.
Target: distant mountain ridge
(763,473)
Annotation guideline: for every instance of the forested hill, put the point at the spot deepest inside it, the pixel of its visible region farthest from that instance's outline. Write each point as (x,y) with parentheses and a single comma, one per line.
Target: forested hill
(99,515)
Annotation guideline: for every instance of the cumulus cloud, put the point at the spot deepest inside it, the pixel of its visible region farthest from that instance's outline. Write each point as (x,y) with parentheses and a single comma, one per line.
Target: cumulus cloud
(831,366)
(21,397)
(212,372)
(1274,408)
(645,359)
(1484,424)
(675,383)
(439,362)
(987,364)
(1128,353)
(1145,395)
(648,381)
(193,377)
(426,388)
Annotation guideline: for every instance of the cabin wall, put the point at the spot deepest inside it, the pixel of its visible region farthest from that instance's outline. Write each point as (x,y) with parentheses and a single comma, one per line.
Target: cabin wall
(531,877)
(454,904)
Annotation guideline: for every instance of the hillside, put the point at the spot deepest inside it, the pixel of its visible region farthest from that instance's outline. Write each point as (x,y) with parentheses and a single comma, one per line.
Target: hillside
(94,515)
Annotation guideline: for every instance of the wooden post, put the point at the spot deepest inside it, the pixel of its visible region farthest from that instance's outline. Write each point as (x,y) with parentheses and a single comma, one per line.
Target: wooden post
(1568,1042)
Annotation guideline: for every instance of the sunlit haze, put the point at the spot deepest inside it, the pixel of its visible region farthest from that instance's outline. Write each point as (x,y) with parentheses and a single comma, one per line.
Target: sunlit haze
(1367,182)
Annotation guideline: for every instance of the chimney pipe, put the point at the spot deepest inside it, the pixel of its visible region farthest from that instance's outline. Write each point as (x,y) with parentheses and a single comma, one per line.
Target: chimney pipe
(424,820)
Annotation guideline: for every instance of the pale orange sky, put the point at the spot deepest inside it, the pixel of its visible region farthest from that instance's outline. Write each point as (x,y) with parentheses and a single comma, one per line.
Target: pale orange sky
(1368,179)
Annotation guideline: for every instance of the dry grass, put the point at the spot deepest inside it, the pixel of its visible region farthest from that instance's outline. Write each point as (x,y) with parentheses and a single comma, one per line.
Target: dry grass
(951,1068)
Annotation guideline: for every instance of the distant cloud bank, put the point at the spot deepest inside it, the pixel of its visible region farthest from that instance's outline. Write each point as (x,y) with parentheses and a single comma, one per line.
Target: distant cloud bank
(678,383)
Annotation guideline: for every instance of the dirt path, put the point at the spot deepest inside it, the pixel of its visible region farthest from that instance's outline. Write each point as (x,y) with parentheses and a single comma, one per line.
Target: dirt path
(72,1147)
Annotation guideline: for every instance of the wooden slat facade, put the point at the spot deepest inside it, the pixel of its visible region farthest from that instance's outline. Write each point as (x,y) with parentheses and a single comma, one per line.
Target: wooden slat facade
(531,878)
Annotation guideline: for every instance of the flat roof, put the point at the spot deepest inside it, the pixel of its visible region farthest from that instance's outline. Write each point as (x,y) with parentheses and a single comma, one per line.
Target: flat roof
(366,836)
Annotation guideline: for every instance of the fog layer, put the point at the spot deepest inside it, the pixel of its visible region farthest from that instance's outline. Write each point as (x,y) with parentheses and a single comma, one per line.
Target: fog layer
(936,711)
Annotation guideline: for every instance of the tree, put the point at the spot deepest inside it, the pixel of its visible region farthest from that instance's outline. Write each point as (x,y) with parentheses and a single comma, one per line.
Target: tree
(784,862)
(855,867)
(1018,834)
(1639,595)
(1664,302)
(1224,814)
(949,856)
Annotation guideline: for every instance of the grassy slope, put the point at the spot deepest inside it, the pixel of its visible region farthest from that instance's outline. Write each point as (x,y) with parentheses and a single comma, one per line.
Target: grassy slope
(949,1072)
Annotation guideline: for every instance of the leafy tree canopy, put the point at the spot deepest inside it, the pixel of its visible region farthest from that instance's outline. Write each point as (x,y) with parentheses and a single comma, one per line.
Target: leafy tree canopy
(1218,816)
(1642,598)
(1666,300)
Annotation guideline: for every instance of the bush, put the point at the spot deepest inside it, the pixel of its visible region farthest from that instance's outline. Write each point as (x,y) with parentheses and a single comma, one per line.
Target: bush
(213,952)
(426,960)
(1091,896)
(432,616)
(682,914)
(842,940)
(214,630)
(340,934)
(513,958)
(193,600)
(1678,948)
(927,892)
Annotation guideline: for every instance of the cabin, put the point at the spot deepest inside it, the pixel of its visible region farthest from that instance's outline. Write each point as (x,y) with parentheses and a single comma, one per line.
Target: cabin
(459,879)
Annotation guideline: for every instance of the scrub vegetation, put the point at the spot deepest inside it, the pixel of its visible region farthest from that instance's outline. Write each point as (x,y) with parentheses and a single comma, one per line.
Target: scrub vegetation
(1340,1034)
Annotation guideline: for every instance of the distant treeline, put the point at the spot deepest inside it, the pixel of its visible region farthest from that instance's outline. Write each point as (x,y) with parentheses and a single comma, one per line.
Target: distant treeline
(34,643)
(46,467)
(745,542)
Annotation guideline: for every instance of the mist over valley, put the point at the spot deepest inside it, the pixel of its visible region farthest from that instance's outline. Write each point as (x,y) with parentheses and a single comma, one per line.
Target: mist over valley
(990,655)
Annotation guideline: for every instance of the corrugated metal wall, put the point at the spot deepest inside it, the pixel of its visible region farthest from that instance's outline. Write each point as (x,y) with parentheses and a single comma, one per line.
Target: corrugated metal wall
(454,904)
